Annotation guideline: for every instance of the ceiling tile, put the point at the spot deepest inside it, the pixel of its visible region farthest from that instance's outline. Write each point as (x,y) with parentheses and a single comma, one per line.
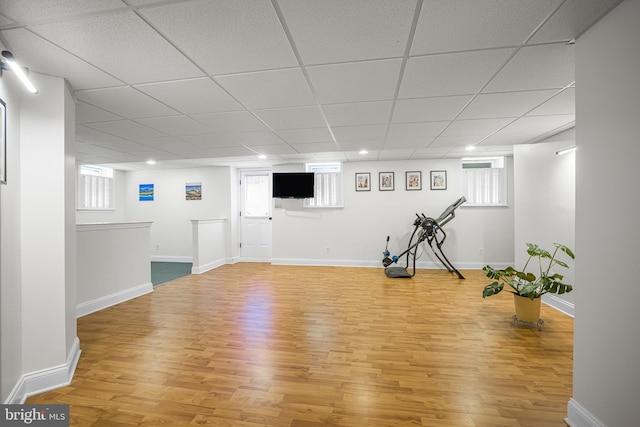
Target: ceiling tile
(451,74)
(307,136)
(359,133)
(536,67)
(415,130)
(526,129)
(572,19)
(256,138)
(315,147)
(86,113)
(115,43)
(125,101)
(429,109)
(396,154)
(477,127)
(339,31)
(273,149)
(216,152)
(237,121)
(563,103)
(355,81)
(226,36)
(192,96)
(163,143)
(87,134)
(406,143)
(368,145)
(455,141)
(47,58)
(210,140)
(508,104)
(127,129)
(358,113)
(36,10)
(446,26)
(293,118)
(269,89)
(175,125)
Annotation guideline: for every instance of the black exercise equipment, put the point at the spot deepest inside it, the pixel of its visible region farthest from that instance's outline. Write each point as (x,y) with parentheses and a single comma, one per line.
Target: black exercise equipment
(428,229)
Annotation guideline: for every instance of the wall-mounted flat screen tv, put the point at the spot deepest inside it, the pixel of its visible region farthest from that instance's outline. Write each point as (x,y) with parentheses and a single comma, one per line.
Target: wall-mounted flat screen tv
(293,185)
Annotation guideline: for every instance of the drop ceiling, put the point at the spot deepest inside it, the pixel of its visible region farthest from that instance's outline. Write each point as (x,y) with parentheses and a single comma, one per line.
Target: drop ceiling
(203,82)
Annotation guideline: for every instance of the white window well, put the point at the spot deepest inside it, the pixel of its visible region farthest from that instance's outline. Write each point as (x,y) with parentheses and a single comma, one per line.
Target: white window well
(484,181)
(95,188)
(327,185)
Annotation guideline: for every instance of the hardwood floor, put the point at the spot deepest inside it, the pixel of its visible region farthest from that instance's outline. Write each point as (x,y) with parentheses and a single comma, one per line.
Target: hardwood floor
(255,344)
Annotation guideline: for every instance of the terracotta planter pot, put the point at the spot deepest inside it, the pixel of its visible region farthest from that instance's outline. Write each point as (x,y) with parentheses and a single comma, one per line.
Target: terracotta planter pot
(527,310)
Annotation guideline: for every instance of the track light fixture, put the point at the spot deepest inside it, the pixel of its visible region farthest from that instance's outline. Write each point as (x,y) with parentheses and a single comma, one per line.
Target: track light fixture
(11,61)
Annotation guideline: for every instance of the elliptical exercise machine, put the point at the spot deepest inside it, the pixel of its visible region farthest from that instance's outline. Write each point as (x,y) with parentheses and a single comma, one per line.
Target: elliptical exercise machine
(428,229)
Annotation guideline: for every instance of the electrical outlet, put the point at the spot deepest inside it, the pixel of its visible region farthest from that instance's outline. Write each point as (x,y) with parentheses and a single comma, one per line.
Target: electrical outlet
(480,251)
(157,247)
(327,249)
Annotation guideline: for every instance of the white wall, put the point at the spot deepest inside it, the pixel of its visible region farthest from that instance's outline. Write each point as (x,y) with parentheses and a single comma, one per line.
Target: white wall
(545,205)
(171,234)
(607,349)
(10,255)
(356,234)
(39,343)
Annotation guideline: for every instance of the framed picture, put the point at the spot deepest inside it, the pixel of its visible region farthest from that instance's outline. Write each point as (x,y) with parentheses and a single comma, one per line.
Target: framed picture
(3,142)
(193,191)
(414,180)
(386,181)
(438,180)
(145,193)
(363,181)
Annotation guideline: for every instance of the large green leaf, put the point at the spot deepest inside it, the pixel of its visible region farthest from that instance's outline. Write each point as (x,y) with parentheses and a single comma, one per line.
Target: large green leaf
(566,250)
(492,289)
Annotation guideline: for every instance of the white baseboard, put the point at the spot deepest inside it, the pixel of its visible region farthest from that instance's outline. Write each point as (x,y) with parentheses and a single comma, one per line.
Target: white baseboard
(559,304)
(171,258)
(578,416)
(208,266)
(116,298)
(46,379)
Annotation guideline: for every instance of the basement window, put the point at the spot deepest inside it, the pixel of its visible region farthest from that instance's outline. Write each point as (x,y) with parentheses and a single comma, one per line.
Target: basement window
(327,185)
(484,181)
(95,188)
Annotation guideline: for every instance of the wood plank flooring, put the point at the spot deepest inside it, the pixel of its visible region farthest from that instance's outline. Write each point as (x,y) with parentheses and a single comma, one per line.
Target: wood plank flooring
(254,344)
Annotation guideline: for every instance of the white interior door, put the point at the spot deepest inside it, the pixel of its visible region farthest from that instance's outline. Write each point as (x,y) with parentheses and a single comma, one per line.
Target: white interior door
(255,215)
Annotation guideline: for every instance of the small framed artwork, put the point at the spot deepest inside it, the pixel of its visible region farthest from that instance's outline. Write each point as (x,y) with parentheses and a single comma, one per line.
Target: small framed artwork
(438,180)
(414,180)
(193,191)
(363,181)
(386,181)
(145,193)
(3,142)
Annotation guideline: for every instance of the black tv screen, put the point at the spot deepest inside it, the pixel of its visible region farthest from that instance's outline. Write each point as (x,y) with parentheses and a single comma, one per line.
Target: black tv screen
(293,185)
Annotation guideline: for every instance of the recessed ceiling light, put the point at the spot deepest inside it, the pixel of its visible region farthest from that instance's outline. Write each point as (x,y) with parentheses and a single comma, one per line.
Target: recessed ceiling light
(151,162)
(470,147)
(363,152)
(262,156)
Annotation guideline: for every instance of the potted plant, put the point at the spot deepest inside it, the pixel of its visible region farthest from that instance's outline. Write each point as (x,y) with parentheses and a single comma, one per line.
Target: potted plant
(526,286)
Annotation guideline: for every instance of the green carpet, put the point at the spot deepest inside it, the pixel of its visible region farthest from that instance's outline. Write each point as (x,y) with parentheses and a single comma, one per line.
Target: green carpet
(163,272)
